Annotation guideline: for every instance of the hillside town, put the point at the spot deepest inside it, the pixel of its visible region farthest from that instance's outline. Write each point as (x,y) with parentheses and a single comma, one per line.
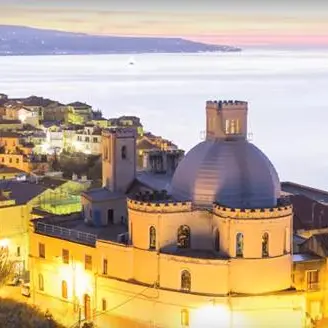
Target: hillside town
(106,224)
(39,136)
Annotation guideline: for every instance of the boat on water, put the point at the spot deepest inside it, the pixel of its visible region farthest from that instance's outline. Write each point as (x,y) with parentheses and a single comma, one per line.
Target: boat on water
(131,61)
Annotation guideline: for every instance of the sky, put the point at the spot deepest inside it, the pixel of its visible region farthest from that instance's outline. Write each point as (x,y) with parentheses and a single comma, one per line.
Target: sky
(233,22)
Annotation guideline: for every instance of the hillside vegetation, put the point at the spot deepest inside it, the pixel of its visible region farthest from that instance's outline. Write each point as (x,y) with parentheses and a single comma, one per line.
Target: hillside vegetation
(19,315)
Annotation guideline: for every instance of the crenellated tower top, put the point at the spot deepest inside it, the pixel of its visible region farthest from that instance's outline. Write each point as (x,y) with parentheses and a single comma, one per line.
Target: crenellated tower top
(226,119)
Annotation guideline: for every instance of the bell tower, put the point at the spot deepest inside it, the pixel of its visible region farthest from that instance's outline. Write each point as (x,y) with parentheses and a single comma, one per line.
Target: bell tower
(226,120)
(118,159)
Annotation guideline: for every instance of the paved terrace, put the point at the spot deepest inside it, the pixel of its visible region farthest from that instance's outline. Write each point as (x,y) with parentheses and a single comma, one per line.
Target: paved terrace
(72,227)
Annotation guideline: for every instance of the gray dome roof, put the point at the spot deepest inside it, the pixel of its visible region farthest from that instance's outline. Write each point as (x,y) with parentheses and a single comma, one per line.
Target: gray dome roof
(233,173)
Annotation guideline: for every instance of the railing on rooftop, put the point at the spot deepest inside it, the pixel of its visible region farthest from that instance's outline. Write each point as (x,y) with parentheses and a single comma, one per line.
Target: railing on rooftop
(69,234)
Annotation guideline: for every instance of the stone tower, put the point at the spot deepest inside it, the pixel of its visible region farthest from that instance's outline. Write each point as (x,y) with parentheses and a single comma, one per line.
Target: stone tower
(226,119)
(118,159)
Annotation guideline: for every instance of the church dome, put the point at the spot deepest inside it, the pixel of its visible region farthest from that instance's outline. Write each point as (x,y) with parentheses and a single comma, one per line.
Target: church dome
(234,173)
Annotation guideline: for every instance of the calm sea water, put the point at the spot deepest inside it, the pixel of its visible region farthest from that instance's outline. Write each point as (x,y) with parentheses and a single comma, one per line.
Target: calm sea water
(287,94)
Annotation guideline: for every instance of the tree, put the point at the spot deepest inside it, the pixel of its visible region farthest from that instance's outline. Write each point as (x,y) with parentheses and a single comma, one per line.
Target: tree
(14,314)
(6,266)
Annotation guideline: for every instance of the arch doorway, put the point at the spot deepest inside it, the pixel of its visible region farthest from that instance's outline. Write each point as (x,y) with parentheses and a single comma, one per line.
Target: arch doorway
(87,307)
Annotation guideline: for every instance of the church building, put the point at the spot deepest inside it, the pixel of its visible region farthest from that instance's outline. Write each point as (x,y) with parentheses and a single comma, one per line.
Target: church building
(209,247)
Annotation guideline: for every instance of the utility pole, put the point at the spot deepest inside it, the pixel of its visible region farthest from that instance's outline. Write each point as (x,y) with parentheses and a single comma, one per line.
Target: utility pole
(80,315)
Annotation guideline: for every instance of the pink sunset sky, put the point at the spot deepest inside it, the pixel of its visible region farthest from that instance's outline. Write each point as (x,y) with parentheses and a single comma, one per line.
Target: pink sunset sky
(234,22)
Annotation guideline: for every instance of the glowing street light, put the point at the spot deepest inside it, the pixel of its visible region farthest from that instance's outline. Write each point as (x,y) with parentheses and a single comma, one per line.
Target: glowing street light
(4,243)
(211,316)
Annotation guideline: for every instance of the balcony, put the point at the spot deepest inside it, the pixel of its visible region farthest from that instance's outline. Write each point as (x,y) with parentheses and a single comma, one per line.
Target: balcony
(313,286)
(64,233)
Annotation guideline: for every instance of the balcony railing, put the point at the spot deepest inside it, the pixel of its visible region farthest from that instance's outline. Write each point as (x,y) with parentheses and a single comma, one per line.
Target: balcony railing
(64,233)
(313,286)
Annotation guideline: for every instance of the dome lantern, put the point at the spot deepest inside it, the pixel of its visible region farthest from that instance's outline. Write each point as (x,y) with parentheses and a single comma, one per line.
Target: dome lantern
(226,168)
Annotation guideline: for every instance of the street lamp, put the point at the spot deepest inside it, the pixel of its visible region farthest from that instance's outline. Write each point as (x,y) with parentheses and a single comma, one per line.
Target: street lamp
(214,315)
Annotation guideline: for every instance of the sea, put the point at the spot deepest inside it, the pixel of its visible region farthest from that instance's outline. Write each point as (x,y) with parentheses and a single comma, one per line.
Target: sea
(287,93)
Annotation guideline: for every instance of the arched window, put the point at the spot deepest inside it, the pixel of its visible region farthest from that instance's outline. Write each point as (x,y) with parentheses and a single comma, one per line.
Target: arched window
(184,237)
(227,126)
(286,241)
(237,126)
(265,245)
(239,245)
(217,240)
(104,304)
(185,281)
(233,127)
(105,150)
(152,237)
(64,289)
(41,282)
(123,152)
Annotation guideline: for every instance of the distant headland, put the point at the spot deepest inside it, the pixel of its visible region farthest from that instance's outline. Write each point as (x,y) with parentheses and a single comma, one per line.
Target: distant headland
(27,41)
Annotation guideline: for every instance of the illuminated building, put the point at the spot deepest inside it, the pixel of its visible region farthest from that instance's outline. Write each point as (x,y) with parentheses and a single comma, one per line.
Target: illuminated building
(29,116)
(7,173)
(78,113)
(16,203)
(213,250)
(126,122)
(87,140)
(22,201)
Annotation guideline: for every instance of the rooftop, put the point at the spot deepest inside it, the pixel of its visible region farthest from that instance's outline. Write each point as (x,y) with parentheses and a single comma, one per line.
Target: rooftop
(322,241)
(6,169)
(50,182)
(79,104)
(154,181)
(36,101)
(102,194)
(22,191)
(10,122)
(146,144)
(306,257)
(298,189)
(309,214)
(9,134)
(72,227)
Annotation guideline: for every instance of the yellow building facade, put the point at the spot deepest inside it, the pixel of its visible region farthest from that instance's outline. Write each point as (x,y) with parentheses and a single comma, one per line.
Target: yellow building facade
(15,216)
(214,250)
